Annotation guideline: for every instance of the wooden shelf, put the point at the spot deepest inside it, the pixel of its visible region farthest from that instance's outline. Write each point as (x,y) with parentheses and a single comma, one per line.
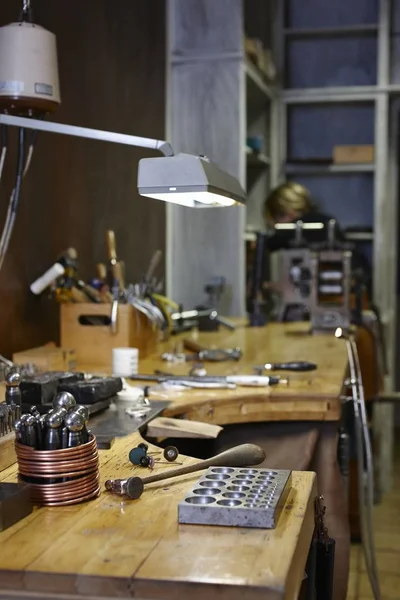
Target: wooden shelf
(350,30)
(256,80)
(256,159)
(303,169)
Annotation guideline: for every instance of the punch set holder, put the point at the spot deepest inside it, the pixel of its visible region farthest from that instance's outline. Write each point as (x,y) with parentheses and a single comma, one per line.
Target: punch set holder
(237,497)
(60,477)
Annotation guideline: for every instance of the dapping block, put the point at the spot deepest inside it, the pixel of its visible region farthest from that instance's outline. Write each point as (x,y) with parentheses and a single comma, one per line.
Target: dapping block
(237,498)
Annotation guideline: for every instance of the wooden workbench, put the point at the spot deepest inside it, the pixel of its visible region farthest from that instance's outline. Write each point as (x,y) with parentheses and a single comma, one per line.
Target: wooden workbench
(115,548)
(310,396)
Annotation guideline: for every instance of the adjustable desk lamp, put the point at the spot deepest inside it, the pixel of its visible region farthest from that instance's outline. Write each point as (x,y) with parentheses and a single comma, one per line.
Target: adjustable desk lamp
(29,87)
(183,179)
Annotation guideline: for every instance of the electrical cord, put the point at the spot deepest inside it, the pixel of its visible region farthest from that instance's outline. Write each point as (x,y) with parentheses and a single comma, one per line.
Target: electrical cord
(11,213)
(26,14)
(15,194)
(364,453)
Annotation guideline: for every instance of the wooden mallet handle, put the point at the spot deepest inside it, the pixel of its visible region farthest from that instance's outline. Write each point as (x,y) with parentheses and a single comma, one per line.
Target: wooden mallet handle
(245,455)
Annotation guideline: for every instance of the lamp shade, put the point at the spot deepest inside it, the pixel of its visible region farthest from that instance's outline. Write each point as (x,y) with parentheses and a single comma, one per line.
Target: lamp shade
(188,180)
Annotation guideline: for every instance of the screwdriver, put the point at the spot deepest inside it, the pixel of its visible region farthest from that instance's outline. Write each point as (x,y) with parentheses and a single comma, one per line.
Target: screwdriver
(286,366)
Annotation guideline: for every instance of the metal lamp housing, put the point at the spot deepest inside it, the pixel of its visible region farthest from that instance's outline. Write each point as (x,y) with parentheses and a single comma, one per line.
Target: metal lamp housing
(188,180)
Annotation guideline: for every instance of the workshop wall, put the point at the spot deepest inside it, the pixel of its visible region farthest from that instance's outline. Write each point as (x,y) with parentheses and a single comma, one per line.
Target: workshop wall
(112,64)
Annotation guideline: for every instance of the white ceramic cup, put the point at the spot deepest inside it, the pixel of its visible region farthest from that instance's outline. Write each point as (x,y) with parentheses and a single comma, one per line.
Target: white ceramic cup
(125,361)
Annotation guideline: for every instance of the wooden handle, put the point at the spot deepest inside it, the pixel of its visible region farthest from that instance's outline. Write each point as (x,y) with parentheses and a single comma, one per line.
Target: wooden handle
(118,274)
(111,246)
(71,253)
(193,346)
(155,259)
(245,455)
(92,293)
(78,296)
(106,297)
(101,271)
(122,273)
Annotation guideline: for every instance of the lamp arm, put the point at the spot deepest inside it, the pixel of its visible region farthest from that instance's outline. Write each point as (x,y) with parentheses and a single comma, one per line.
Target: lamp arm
(83,132)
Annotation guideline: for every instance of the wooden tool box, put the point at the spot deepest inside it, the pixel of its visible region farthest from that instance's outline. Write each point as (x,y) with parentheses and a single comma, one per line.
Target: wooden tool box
(88,328)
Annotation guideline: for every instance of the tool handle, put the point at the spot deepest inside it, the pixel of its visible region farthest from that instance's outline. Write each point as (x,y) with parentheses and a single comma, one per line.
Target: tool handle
(117,273)
(251,380)
(101,271)
(90,291)
(111,246)
(245,455)
(225,323)
(122,268)
(192,345)
(219,355)
(155,259)
(294,366)
(38,286)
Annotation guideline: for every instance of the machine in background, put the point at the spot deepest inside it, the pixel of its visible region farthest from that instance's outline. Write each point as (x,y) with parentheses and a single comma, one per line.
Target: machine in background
(317,281)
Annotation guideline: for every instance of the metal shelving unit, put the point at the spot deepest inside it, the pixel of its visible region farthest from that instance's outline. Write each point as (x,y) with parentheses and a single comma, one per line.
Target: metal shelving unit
(383,171)
(256,82)
(293,169)
(261,96)
(351,30)
(255,159)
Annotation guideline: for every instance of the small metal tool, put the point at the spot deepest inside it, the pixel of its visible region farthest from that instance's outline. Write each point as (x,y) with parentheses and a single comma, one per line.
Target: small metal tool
(75,423)
(83,411)
(214,382)
(141,457)
(30,431)
(13,392)
(245,455)
(64,400)
(198,371)
(217,355)
(54,420)
(286,366)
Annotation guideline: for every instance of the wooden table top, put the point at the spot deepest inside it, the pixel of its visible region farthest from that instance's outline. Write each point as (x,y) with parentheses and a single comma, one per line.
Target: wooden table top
(115,548)
(310,396)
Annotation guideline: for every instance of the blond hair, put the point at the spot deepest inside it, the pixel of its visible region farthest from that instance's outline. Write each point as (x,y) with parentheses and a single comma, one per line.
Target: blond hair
(287,198)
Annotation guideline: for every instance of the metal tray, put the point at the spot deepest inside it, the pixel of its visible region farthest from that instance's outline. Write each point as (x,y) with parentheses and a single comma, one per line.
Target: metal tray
(237,497)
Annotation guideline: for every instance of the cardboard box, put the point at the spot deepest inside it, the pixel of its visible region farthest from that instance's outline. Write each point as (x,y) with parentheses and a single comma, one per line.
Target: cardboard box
(260,56)
(47,358)
(353,154)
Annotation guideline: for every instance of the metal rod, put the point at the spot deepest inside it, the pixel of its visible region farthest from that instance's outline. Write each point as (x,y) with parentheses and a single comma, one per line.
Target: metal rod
(363,444)
(84,132)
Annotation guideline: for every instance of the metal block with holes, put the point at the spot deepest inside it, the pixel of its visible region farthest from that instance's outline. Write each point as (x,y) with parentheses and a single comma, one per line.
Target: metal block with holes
(237,498)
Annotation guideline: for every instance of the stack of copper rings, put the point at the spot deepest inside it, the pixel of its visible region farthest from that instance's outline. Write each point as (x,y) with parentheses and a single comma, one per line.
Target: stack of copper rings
(60,477)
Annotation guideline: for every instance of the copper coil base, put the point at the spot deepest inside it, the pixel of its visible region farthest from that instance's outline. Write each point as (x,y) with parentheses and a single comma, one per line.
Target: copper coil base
(65,485)
(40,498)
(79,465)
(58,468)
(84,498)
(64,475)
(50,494)
(55,455)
